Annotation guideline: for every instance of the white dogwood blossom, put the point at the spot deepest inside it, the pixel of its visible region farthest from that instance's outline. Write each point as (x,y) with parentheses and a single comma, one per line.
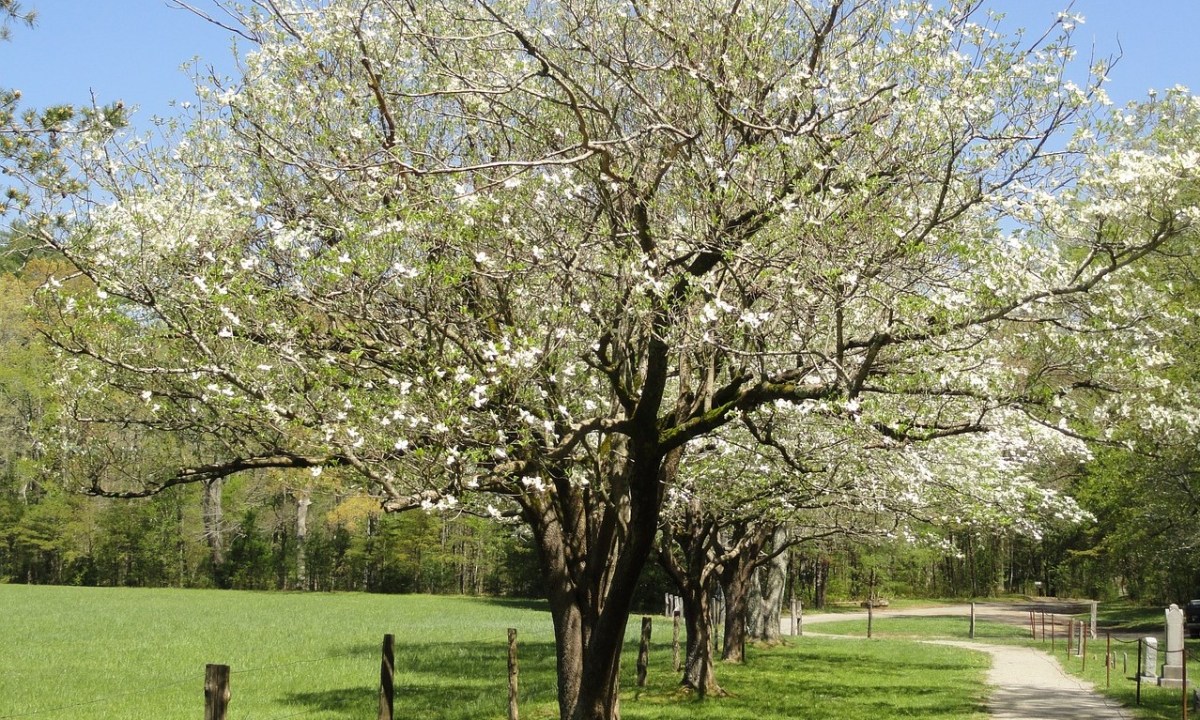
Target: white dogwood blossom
(529,254)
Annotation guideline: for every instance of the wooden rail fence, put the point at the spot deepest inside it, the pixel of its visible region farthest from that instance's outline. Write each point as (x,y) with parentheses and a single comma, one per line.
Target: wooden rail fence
(217,691)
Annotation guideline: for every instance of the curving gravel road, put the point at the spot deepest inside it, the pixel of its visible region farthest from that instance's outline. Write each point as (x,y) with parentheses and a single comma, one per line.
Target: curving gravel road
(1027,684)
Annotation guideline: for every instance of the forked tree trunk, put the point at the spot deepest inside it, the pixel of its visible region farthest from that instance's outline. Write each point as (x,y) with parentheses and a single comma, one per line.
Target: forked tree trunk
(687,556)
(593,550)
(736,576)
(735,582)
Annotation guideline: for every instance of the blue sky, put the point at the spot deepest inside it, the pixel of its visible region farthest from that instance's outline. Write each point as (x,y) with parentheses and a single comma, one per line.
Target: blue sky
(132,49)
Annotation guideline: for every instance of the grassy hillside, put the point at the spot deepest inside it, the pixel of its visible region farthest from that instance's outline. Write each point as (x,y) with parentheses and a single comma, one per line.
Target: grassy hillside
(133,653)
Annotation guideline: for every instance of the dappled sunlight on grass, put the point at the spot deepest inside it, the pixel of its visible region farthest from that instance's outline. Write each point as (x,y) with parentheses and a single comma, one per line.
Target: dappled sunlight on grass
(128,653)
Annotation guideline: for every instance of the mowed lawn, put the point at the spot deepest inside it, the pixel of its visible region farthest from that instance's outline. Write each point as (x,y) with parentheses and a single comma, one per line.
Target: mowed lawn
(140,653)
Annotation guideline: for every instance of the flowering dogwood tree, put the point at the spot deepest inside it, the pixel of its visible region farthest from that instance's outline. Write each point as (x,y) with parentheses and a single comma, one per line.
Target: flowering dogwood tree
(521,254)
(824,475)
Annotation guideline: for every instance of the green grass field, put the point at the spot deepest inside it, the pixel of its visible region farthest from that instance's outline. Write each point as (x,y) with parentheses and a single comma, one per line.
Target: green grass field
(913,628)
(104,653)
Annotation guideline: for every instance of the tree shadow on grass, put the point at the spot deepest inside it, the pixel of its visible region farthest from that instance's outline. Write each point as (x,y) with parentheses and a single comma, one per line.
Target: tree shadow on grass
(350,702)
(845,680)
(517,603)
(848,680)
(442,681)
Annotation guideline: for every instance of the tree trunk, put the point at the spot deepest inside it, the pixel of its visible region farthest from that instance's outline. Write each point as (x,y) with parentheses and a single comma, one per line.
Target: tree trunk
(971,564)
(820,581)
(303,500)
(735,582)
(698,671)
(1000,552)
(213,520)
(771,603)
(593,550)
(694,573)
(754,601)
(737,574)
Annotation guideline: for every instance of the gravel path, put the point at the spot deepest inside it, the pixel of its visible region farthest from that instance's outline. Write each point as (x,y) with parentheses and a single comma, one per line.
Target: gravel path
(1027,684)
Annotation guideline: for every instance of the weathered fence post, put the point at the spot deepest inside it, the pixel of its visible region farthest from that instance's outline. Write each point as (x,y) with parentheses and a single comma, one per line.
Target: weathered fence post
(800,618)
(971,632)
(1032,626)
(387,673)
(643,661)
(1082,647)
(216,691)
(513,674)
(1109,660)
(1070,634)
(675,641)
(870,617)
(1138,672)
(793,617)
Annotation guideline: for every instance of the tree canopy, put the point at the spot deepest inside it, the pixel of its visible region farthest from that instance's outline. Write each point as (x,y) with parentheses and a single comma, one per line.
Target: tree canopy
(530,255)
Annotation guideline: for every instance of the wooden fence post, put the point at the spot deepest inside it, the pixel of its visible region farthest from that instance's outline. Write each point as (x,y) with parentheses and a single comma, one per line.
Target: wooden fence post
(800,618)
(971,634)
(793,617)
(513,674)
(643,661)
(870,618)
(1109,660)
(387,673)
(216,691)
(1138,672)
(675,641)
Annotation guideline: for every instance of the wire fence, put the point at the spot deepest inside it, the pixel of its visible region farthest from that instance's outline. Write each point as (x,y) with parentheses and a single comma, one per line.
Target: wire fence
(106,699)
(194,680)
(1154,665)
(216,684)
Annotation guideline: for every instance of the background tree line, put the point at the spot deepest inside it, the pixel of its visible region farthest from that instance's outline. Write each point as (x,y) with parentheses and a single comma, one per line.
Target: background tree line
(1144,494)
(657,294)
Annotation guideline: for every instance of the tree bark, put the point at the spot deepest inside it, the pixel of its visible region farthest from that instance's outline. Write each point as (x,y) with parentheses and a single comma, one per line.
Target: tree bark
(213,520)
(687,556)
(775,575)
(303,500)
(698,671)
(593,551)
(754,603)
(736,578)
(738,563)
(820,581)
